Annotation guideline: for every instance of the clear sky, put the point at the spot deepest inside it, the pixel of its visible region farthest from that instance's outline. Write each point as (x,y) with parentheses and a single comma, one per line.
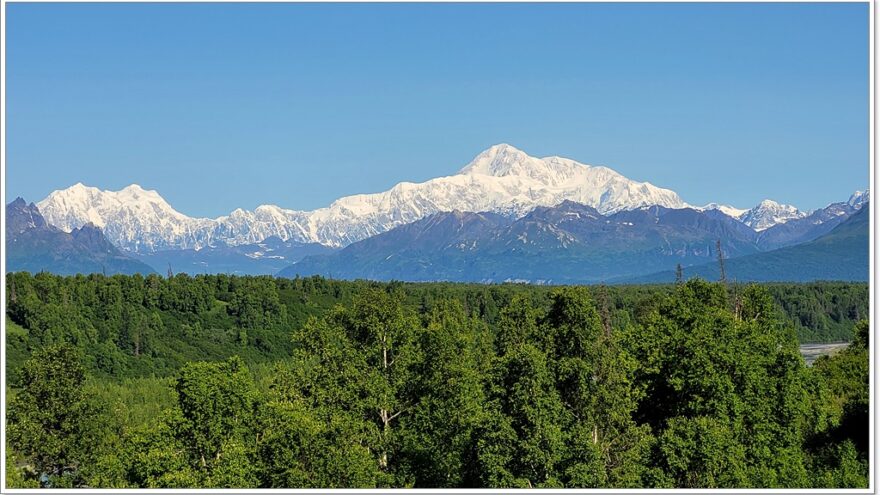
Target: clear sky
(219,106)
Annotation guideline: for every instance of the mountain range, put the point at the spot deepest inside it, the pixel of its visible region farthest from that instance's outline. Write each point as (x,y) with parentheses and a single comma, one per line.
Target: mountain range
(567,243)
(570,242)
(501,179)
(840,254)
(33,245)
(504,216)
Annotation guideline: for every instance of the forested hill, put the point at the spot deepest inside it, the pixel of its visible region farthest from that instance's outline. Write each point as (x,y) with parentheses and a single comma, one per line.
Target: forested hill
(132,326)
(694,385)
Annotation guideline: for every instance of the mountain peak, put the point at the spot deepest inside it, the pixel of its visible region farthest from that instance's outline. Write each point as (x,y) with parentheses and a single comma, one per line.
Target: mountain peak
(769,213)
(134,188)
(859,198)
(130,217)
(21,216)
(136,192)
(728,210)
(510,169)
(501,148)
(499,160)
(79,190)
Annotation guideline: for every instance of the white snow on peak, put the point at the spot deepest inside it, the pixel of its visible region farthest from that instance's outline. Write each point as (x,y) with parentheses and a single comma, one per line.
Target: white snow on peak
(859,198)
(500,160)
(133,217)
(769,213)
(551,180)
(728,210)
(501,179)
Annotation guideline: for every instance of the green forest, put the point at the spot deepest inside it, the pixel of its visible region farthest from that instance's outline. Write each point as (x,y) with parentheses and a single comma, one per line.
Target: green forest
(226,381)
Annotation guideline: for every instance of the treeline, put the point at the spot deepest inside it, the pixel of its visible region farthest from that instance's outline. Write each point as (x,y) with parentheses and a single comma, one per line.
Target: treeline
(400,386)
(135,326)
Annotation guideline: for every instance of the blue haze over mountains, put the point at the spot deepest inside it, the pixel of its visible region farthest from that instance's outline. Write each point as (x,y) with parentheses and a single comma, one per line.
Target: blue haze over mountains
(633,232)
(573,243)
(841,254)
(33,245)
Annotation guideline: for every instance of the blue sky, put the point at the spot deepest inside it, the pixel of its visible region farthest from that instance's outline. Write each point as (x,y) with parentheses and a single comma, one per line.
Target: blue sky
(219,106)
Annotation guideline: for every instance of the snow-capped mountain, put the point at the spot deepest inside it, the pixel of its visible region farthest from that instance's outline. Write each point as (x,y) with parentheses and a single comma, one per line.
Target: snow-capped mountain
(818,223)
(504,172)
(859,198)
(501,179)
(728,210)
(769,213)
(133,218)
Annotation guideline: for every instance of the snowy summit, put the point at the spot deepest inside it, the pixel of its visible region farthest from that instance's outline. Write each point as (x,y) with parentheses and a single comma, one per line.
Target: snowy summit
(769,213)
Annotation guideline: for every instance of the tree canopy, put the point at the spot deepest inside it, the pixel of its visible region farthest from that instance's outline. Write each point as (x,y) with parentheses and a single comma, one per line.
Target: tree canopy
(217,381)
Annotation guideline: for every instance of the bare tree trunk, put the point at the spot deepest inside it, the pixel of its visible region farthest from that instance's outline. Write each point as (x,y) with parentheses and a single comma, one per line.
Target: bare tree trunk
(384,354)
(383,460)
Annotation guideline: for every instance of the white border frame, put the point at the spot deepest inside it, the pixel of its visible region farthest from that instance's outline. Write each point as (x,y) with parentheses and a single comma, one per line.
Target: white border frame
(872,473)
